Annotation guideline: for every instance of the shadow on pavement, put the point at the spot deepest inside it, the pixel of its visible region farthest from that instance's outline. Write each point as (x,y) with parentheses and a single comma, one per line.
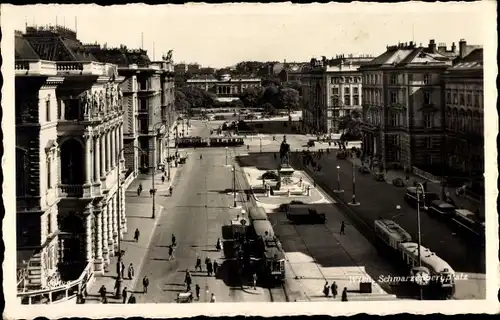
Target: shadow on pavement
(228,273)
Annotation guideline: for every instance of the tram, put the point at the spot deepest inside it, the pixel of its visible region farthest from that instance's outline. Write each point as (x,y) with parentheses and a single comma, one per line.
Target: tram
(191,142)
(394,240)
(268,254)
(226,142)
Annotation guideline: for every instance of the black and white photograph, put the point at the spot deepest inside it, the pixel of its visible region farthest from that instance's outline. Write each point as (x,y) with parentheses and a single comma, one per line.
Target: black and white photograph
(331,158)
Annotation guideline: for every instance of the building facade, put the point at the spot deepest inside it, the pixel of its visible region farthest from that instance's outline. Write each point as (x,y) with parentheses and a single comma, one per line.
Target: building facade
(464,126)
(225,86)
(332,89)
(69,129)
(403,109)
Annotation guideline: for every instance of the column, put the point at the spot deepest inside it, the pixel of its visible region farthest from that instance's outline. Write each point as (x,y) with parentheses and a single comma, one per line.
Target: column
(120,138)
(108,151)
(115,221)
(113,148)
(88,159)
(104,222)
(102,155)
(88,234)
(111,241)
(98,241)
(97,157)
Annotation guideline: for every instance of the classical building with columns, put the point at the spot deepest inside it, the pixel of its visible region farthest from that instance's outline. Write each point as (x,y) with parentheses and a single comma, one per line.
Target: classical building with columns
(69,130)
(224,87)
(332,89)
(148,98)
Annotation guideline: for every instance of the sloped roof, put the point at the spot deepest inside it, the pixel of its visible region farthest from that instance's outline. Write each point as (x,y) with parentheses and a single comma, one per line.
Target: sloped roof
(23,49)
(407,56)
(472,61)
(120,56)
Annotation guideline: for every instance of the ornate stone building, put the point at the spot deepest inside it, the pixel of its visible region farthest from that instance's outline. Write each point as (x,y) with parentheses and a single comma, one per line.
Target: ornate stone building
(464,125)
(225,86)
(149,97)
(332,89)
(69,129)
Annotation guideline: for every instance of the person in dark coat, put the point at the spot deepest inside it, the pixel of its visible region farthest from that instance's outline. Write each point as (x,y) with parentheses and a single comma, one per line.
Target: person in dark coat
(103,292)
(209,269)
(145,284)
(326,289)
(334,289)
(344,294)
(197,290)
(122,270)
(170,253)
(198,263)
(130,271)
(124,294)
(342,228)
(215,266)
(136,235)
(132,299)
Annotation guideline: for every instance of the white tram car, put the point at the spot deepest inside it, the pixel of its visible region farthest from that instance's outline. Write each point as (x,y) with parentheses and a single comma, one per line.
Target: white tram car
(441,281)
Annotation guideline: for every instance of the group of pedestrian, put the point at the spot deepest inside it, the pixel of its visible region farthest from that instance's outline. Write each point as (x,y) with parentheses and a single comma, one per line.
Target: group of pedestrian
(334,290)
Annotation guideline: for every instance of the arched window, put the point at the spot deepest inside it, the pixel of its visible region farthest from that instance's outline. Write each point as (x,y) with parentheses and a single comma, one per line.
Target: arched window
(49,172)
(72,162)
(461,116)
(469,125)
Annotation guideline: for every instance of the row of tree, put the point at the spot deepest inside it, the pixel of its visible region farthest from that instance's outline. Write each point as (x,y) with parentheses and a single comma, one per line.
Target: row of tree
(271,97)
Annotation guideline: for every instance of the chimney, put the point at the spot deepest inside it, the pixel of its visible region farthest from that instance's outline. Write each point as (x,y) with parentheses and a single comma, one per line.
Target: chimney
(432,45)
(453,47)
(462,45)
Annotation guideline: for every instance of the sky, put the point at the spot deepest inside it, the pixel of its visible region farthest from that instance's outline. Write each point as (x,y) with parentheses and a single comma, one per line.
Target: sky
(222,35)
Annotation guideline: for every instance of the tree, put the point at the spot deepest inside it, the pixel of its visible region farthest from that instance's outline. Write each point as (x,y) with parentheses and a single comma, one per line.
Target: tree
(181,102)
(251,96)
(269,108)
(289,98)
(350,126)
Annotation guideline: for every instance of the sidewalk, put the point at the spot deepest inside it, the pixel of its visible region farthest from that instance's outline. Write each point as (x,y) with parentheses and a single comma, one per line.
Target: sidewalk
(390,175)
(136,208)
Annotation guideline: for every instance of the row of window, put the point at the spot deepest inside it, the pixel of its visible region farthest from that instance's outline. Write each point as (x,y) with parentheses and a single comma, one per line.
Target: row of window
(334,80)
(464,123)
(347,101)
(469,99)
(373,97)
(394,79)
(347,90)
(398,119)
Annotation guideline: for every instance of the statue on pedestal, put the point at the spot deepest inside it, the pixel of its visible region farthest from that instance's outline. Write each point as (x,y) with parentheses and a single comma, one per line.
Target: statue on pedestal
(285,153)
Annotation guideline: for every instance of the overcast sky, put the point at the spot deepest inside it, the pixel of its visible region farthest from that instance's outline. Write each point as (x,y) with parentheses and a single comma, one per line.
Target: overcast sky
(222,35)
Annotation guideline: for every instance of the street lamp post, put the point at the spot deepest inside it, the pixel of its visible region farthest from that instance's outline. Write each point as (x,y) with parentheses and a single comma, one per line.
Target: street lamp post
(260,145)
(119,278)
(354,202)
(419,235)
(234,186)
(226,156)
(168,155)
(156,128)
(338,181)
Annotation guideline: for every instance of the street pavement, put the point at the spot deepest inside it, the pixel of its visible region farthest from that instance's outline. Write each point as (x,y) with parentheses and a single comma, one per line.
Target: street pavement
(195,213)
(379,199)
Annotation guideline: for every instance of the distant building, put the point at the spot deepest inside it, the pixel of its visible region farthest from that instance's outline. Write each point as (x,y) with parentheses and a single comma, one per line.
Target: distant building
(332,88)
(404,106)
(224,87)
(69,130)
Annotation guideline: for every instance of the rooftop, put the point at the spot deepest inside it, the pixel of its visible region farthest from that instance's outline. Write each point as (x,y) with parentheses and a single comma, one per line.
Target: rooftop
(472,61)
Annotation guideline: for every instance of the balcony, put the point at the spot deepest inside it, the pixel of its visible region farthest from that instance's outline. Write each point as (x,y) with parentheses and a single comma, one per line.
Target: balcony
(40,67)
(86,68)
(71,190)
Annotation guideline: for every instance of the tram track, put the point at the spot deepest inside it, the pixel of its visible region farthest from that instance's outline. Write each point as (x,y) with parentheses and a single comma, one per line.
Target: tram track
(278,293)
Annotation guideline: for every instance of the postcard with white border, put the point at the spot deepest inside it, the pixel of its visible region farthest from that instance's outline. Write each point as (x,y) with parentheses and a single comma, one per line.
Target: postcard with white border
(249,159)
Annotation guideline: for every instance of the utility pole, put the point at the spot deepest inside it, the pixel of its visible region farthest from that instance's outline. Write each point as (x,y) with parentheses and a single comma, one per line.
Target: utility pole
(234,186)
(420,186)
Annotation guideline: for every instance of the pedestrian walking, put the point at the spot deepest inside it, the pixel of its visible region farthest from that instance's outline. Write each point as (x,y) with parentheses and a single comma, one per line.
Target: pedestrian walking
(103,292)
(151,191)
(162,179)
(139,191)
(209,268)
(344,294)
(254,279)
(136,235)
(207,261)
(197,290)
(170,190)
(145,284)
(124,294)
(198,263)
(130,271)
(122,269)
(342,228)
(215,265)
(218,246)
(212,298)
(326,289)
(170,253)
(334,289)
(174,243)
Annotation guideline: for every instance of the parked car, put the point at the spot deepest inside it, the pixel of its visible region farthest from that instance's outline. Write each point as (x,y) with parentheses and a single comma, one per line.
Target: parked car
(284,206)
(299,214)
(441,208)
(425,200)
(270,175)
(398,182)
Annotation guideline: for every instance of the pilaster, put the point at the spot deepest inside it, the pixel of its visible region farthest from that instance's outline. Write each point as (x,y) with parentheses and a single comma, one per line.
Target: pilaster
(123,216)
(108,151)
(97,157)
(98,260)
(111,242)
(105,247)
(102,153)
(88,233)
